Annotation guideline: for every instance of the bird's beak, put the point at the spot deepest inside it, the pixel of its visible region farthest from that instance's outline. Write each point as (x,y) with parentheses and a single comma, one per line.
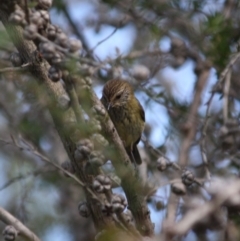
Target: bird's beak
(109,106)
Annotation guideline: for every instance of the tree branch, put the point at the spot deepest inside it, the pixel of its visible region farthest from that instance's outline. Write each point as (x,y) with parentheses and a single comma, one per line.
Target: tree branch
(190,126)
(9,219)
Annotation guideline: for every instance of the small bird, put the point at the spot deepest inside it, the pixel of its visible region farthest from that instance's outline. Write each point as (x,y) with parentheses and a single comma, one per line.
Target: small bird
(126,114)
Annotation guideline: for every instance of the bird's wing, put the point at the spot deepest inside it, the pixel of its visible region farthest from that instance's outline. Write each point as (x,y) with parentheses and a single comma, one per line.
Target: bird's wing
(142,113)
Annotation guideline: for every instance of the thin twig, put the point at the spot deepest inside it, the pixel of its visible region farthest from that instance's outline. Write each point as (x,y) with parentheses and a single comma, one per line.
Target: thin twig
(23,176)
(44,158)
(142,53)
(15,69)
(76,30)
(203,138)
(228,67)
(226,95)
(105,39)
(159,153)
(132,55)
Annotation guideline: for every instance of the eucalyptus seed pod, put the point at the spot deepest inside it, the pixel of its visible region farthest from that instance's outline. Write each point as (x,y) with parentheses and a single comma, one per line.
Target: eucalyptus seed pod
(30,31)
(10,233)
(84,210)
(44,4)
(178,188)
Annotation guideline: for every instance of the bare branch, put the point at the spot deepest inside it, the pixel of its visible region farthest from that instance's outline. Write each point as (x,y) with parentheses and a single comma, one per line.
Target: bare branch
(190,126)
(226,96)
(15,69)
(105,39)
(194,216)
(9,219)
(223,74)
(23,176)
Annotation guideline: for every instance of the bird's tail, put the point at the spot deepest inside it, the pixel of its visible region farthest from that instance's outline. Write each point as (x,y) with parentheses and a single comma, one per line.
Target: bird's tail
(134,155)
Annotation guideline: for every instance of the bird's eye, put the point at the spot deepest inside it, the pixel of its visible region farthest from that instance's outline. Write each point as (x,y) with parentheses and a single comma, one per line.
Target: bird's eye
(118,96)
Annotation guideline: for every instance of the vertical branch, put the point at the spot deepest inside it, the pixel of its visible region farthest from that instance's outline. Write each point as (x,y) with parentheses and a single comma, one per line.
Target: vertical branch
(225,94)
(191,124)
(61,118)
(190,129)
(131,184)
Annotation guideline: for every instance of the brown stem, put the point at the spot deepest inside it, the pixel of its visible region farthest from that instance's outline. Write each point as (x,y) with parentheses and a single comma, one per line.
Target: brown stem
(190,126)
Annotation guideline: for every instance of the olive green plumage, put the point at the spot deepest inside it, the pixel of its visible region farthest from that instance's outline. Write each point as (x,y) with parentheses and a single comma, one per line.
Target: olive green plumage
(126,114)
